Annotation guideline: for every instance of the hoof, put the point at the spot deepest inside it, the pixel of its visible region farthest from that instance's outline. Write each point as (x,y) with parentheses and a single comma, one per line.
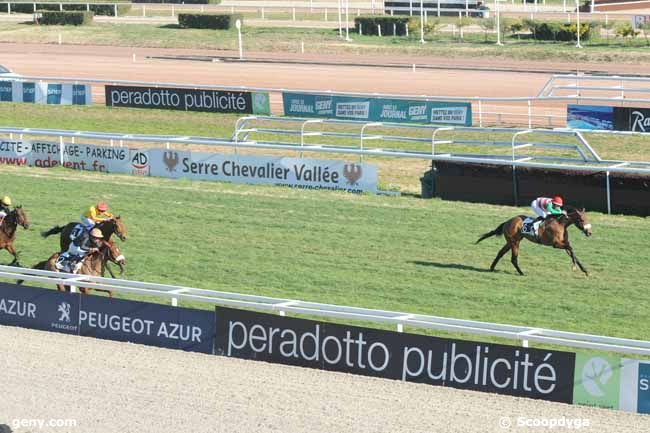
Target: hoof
(574,268)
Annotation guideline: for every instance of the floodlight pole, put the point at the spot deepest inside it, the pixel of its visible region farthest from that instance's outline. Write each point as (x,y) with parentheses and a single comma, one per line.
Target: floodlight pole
(422,21)
(340,24)
(498,22)
(347,21)
(578,23)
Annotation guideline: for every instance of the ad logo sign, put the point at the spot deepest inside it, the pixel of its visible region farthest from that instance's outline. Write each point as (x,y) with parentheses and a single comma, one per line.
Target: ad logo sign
(597,381)
(643,402)
(140,163)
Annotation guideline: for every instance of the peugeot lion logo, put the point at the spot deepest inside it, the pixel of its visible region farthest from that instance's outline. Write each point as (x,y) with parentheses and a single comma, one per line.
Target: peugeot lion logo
(352,173)
(64,309)
(171,160)
(595,374)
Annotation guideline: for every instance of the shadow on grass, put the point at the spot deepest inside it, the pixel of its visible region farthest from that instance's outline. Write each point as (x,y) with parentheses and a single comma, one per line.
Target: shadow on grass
(451,266)
(170,26)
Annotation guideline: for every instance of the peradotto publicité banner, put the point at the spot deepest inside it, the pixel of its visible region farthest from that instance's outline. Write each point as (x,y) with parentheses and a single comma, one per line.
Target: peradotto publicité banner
(252,169)
(206,100)
(45,93)
(377,109)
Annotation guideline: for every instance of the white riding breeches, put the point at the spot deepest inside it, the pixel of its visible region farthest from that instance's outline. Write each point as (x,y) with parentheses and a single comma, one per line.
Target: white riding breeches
(87,222)
(538,210)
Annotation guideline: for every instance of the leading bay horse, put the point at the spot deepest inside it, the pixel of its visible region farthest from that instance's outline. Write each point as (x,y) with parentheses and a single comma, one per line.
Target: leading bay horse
(16,217)
(109,227)
(94,264)
(553,232)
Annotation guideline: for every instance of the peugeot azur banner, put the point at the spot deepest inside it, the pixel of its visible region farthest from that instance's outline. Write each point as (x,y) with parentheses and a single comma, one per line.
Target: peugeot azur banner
(376,109)
(102,317)
(511,370)
(167,98)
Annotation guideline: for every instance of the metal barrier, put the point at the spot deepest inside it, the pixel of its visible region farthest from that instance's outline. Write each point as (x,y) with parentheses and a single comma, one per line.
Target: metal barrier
(282,306)
(485,115)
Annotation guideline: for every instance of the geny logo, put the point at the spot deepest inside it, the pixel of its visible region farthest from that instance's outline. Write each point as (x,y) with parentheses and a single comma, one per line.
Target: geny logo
(595,375)
(171,160)
(64,309)
(352,173)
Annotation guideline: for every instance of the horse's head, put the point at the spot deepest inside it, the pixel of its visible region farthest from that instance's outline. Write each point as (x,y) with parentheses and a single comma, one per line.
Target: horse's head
(579,218)
(21,217)
(119,228)
(114,255)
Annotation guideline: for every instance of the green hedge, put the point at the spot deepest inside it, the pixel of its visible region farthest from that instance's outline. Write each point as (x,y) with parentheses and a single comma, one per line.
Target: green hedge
(209,21)
(187,2)
(104,9)
(369,24)
(65,18)
(556,31)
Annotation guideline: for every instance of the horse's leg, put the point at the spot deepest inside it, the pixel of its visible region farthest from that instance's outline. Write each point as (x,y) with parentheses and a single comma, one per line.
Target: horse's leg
(575,260)
(515,257)
(501,253)
(13,252)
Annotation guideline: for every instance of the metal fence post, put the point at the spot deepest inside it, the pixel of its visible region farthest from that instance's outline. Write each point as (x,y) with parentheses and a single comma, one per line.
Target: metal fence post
(609,195)
(480,114)
(530,118)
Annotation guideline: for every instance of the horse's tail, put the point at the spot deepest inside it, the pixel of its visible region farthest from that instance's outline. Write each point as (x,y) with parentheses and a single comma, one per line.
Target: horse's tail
(53,231)
(497,231)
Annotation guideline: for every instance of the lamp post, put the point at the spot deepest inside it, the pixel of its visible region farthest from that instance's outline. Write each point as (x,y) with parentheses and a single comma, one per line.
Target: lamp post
(578,23)
(422,21)
(340,24)
(498,22)
(347,21)
(241,51)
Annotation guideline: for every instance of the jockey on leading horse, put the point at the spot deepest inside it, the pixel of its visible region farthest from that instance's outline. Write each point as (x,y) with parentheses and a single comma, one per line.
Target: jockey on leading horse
(544,206)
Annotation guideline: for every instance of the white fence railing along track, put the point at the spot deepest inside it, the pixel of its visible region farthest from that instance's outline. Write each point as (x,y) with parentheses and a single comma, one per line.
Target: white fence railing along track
(173,293)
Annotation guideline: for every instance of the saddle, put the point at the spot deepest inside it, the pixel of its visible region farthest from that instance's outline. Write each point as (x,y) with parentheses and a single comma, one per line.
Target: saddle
(531,227)
(66,263)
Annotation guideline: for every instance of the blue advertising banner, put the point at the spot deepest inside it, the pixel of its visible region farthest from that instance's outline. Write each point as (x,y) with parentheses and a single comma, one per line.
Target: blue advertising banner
(29,92)
(35,308)
(54,92)
(643,399)
(6,91)
(377,109)
(79,92)
(145,323)
(590,117)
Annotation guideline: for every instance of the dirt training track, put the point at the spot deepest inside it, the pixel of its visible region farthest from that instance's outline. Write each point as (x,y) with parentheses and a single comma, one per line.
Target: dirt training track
(118,387)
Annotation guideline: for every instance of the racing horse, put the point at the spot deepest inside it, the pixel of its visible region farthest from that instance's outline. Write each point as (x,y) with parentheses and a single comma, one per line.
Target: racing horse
(94,264)
(16,217)
(108,227)
(553,232)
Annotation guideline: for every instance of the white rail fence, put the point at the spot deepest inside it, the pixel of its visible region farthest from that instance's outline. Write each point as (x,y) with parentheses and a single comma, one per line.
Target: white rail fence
(545,109)
(282,306)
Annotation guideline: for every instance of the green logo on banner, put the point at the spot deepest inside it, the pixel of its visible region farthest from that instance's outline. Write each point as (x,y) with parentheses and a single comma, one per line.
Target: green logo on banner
(597,380)
(261,103)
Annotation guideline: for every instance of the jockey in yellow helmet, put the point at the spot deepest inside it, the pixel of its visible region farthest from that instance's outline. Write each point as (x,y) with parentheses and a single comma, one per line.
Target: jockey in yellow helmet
(5,202)
(95,214)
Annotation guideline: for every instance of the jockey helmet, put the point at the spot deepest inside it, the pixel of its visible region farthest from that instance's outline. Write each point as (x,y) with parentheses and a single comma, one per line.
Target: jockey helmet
(96,233)
(557,200)
(102,207)
(6,200)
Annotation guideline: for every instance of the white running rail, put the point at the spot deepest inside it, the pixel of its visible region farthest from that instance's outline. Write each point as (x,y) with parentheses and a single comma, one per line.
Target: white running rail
(283,306)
